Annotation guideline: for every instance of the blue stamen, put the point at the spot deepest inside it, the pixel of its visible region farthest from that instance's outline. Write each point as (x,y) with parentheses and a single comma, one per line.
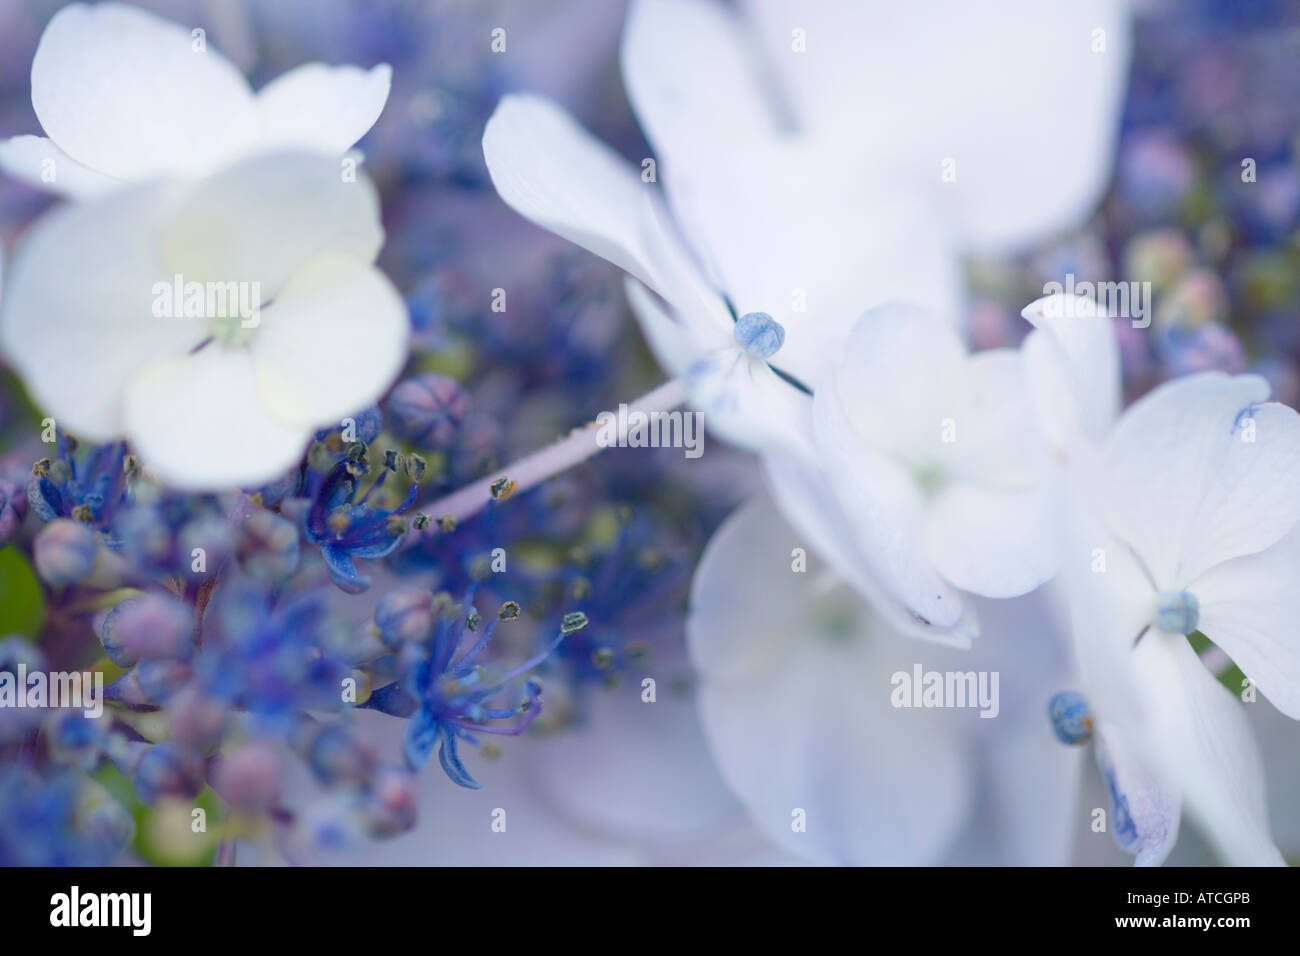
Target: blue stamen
(448,702)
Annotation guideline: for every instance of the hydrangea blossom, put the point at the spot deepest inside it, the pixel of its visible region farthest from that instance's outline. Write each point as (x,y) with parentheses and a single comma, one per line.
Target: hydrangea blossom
(216,395)
(1181,522)
(886,786)
(125,96)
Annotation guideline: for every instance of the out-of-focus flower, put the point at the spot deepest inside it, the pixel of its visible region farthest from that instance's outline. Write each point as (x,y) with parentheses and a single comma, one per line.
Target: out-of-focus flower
(799,698)
(125,96)
(63,820)
(272,659)
(216,324)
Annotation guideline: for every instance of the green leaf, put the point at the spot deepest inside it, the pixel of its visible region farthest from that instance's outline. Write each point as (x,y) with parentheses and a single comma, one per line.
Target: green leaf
(22,599)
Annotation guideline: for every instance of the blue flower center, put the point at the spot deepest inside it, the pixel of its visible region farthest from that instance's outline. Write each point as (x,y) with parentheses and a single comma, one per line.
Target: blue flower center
(1071,719)
(1177,612)
(760,335)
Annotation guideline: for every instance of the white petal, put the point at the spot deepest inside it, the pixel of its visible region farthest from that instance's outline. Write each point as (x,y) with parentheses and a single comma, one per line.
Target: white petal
(795,689)
(921,83)
(992,542)
(260,220)
(1280,745)
(1250,607)
(1185,485)
(988,410)
(896,379)
(1202,742)
(200,422)
(553,172)
(335,339)
(635,770)
(1029,809)
(885,510)
(671,342)
(125,93)
(1144,811)
(775,219)
(77,319)
(746,403)
(1072,369)
(1110,602)
(322,108)
(776,222)
(806,501)
(38,162)
(689,77)
(1033,781)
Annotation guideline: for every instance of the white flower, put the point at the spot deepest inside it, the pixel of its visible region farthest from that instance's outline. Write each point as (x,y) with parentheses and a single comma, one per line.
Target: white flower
(777,206)
(1191,525)
(218,398)
(787,211)
(1024,97)
(125,96)
(931,473)
(1184,519)
(796,684)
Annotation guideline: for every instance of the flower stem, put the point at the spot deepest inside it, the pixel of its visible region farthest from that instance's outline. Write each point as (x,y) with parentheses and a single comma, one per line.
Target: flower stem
(579,445)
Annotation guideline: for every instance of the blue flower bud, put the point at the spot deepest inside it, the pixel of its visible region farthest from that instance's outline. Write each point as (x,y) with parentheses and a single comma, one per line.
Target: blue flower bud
(1177,612)
(13,505)
(759,334)
(428,411)
(152,626)
(1071,719)
(249,777)
(65,552)
(159,679)
(196,719)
